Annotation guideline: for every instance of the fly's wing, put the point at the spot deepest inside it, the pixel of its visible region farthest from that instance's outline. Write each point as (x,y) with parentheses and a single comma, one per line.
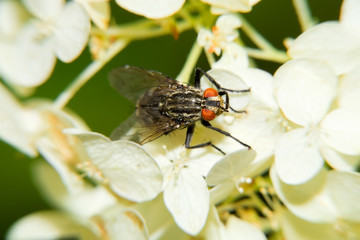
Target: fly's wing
(126,130)
(131,82)
(132,129)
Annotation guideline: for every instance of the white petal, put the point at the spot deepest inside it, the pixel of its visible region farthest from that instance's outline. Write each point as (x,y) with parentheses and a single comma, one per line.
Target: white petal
(227,23)
(71,32)
(45,9)
(27,62)
(187,198)
(297,160)
(304,200)
(97,145)
(233,59)
(349,15)
(49,225)
(99,11)
(262,88)
(231,168)
(349,90)
(232,5)
(85,202)
(214,229)
(330,42)
(295,228)
(228,80)
(338,160)
(12,17)
(340,188)
(153,8)
(341,129)
(329,197)
(131,171)
(120,223)
(240,229)
(13,120)
(305,89)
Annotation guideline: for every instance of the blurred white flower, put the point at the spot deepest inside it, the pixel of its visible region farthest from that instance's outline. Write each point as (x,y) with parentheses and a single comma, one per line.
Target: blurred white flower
(153,9)
(98,11)
(328,198)
(114,223)
(49,225)
(299,229)
(222,33)
(235,228)
(58,30)
(336,42)
(19,125)
(233,5)
(306,90)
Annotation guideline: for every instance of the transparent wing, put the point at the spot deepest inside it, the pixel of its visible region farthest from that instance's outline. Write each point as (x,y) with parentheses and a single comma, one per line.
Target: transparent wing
(126,130)
(132,129)
(131,82)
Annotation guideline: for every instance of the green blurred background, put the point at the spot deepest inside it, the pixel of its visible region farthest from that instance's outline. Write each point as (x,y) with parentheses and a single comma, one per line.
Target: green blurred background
(103,109)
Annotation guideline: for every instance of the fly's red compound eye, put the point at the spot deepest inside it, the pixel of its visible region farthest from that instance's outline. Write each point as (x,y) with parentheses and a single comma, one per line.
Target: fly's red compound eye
(207,114)
(210,92)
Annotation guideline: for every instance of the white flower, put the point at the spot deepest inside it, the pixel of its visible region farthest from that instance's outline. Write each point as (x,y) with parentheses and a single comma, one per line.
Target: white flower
(128,169)
(305,90)
(223,33)
(337,43)
(186,194)
(154,9)
(330,197)
(262,124)
(233,5)
(59,30)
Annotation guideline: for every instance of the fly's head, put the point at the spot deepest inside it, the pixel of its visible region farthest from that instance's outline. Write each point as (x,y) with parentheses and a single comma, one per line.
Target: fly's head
(212,104)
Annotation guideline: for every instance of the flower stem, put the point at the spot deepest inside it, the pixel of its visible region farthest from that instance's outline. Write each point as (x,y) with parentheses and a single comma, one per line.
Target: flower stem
(270,55)
(184,75)
(304,14)
(87,73)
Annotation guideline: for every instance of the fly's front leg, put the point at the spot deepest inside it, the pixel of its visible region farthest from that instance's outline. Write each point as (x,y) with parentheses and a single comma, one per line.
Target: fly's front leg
(189,134)
(208,125)
(227,105)
(199,71)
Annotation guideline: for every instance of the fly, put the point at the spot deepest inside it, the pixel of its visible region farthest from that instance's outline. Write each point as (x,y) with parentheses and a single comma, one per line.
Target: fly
(164,105)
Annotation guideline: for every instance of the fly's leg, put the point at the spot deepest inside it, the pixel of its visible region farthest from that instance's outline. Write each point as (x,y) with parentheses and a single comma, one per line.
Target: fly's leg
(189,134)
(222,91)
(199,71)
(227,106)
(208,125)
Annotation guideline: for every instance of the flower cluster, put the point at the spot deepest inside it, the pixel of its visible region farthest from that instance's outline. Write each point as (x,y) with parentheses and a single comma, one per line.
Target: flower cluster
(298,180)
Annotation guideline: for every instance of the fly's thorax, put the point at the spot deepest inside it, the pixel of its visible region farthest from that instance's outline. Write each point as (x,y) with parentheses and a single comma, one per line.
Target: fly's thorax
(183,104)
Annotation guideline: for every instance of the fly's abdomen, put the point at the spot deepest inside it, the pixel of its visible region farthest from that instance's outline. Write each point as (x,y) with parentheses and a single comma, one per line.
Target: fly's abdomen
(182,105)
